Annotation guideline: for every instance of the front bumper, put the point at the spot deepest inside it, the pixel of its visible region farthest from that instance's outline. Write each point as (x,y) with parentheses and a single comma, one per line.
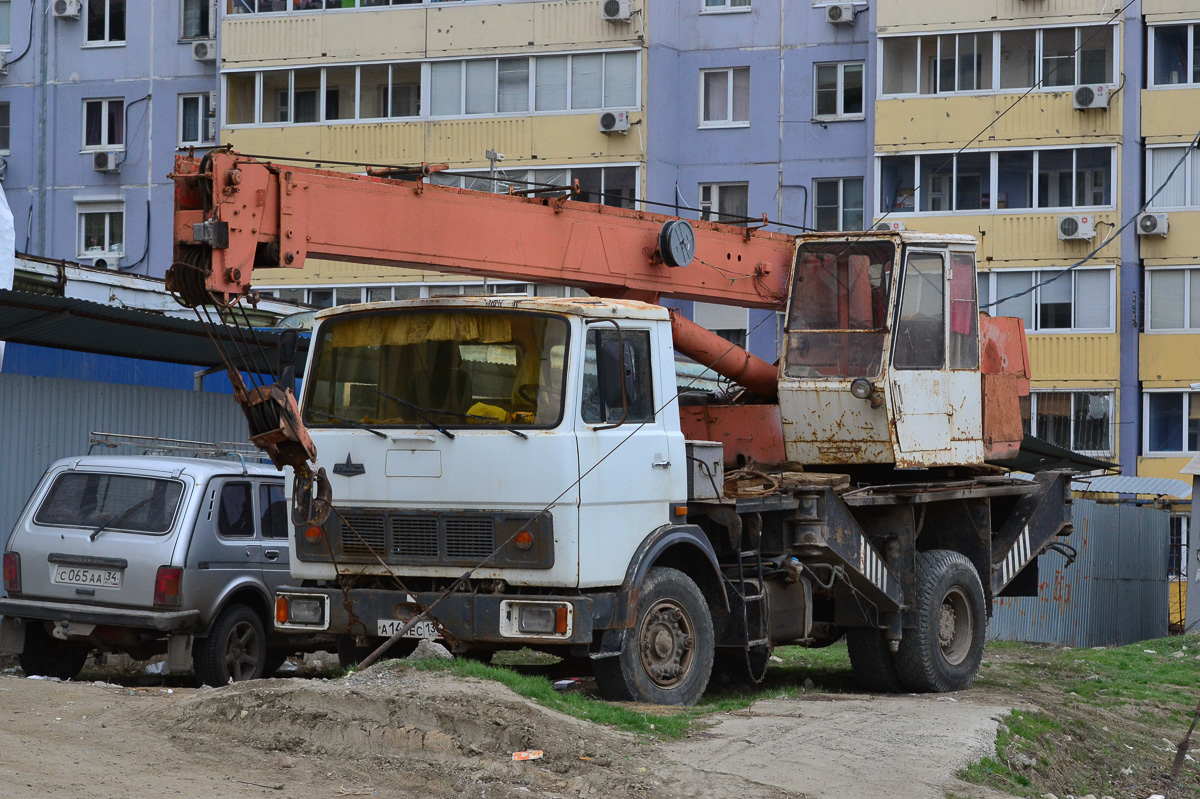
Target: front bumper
(161,621)
(465,618)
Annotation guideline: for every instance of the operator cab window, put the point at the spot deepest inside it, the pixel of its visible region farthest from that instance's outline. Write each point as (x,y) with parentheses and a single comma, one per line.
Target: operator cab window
(921,328)
(628,350)
(235,514)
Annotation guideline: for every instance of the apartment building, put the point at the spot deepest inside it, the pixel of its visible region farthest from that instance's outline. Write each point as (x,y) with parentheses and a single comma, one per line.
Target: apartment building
(761,107)
(96,97)
(554,87)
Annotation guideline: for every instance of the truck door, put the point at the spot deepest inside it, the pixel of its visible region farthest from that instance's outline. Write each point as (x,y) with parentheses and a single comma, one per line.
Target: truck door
(627,493)
(934,382)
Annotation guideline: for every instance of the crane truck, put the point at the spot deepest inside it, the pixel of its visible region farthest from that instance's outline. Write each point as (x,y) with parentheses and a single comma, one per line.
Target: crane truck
(504,472)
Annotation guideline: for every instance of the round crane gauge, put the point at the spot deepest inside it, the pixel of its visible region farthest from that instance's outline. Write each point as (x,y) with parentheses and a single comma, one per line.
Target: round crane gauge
(677,242)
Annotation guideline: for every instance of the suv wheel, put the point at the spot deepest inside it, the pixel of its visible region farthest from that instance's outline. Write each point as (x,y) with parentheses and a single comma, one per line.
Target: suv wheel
(46,656)
(235,649)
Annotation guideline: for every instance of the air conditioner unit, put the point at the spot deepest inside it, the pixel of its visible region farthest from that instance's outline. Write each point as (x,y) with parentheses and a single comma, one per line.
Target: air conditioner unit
(210,128)
(205,50)
(66,9)
(105,263)
(616,10)
(840,14)
(3,65)
(885,225)
(1075,226)
(1152,225)
(1091,96)
(3,168)
(106,161)
(614,122)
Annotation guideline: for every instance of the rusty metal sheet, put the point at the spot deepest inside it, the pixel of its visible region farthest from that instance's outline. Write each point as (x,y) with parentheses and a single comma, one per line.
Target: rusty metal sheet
(747,432)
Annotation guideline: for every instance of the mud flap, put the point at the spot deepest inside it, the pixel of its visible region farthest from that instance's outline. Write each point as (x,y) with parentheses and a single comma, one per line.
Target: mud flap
(12,636)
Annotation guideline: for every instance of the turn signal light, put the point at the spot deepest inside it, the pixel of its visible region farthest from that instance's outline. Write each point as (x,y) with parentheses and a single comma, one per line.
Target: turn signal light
(12,572)
(560,621)
(313,534)
(523,540)
(281,610)
(167,583)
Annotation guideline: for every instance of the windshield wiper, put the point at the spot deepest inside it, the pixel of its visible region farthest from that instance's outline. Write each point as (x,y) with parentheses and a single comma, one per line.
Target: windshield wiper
(419,411)
(120,517)
(459,414)
(351,422)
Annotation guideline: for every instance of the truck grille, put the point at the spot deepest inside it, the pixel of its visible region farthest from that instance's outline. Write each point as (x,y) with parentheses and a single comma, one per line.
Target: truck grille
(414,536)
(363,534)
(470,538)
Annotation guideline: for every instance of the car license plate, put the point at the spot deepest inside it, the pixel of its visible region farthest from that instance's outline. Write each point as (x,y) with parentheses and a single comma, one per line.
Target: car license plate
(422,629)
(82,575)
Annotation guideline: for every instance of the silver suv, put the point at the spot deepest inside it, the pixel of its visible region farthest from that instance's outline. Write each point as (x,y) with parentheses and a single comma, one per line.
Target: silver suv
(146,555)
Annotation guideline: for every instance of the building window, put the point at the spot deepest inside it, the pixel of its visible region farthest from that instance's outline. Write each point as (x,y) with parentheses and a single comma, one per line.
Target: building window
(101,230)
(1079,301)
(103,124)
(5,24)
(711,6)
(1076,420)
(1172,422)
(1021,179)
(1177,555)
(4,128)
(609,185)
(1178,190)
(105,21)
(726,321)
(838,91)
(1174,299)
(196,19)
(1008,60)
(197,125)
(839,204)
(725,202)
(1174,55)
(725,97)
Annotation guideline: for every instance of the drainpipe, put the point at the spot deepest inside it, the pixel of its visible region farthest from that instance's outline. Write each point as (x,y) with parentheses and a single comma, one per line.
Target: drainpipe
(43,80)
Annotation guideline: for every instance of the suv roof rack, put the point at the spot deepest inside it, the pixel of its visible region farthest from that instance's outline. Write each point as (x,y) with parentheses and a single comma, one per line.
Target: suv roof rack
(155,445)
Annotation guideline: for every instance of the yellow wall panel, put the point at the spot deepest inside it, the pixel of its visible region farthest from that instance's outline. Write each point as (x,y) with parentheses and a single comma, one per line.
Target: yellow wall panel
(1170,115)
(896,16)
(462,142)
(299,141)
(317,271)
(463,29)
(1163,467)
(1168,359)
(1074,356)
(400,143)
(1041,119)
(1181,245)
(1019,240)
(372,36)
(577,23)
(1167,10)
(573,139)
(248,40)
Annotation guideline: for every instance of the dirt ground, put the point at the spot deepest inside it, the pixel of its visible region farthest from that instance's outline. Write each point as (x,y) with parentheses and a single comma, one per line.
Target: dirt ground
(399,732)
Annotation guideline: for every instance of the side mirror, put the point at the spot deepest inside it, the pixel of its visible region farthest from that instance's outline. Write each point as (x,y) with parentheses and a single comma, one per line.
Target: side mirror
(614,372)
(287,358)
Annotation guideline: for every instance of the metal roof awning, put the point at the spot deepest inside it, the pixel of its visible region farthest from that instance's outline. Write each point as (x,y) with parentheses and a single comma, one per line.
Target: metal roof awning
(1158,487)
(83,326)
(1037,455)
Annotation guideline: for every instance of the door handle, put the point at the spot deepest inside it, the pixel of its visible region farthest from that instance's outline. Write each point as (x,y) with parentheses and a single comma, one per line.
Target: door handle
(271,554)
(661,464)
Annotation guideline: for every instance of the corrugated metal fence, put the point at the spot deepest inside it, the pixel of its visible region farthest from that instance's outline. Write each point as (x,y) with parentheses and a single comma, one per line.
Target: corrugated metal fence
(1115,593)
(44,419)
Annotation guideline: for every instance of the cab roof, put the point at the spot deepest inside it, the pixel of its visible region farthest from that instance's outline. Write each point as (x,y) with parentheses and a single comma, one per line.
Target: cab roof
(593,307)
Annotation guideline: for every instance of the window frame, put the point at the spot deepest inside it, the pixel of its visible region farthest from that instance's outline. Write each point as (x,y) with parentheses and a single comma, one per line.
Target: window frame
(105,113)
(1190,166)
(1039,77)
(106,41)
(729,121)
(710,210)
(725,7)
(211,7)
(1110,393)
(206,99)
(1191,67)
(1037,275)
(107,207)
(840,115)
(841,202)
(994,182)
(1189,273)
(1184,393)
(6,128)
(6,6)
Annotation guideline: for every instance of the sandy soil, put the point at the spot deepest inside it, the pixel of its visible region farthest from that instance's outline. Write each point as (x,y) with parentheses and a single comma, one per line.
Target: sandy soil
(402,733)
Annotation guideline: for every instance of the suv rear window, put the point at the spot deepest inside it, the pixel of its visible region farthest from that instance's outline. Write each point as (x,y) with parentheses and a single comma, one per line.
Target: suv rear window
(123,502)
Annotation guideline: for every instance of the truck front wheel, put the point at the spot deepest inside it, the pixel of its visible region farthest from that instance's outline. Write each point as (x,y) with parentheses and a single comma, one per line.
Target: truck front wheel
(668,655)
(945,649)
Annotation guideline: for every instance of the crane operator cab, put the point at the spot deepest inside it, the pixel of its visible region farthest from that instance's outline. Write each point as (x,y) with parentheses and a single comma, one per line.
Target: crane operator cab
(881,354)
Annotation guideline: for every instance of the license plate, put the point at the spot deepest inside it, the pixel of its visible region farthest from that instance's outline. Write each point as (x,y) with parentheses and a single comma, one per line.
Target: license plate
(422,629)
(82,575)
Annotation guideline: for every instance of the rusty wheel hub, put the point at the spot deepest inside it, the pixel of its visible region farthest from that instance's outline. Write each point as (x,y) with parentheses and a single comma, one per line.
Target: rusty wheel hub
(666,643)
(956,625)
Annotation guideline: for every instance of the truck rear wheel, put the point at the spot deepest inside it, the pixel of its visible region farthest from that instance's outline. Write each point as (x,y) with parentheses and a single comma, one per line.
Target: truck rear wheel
(668,655)
(945,649)
(873,662)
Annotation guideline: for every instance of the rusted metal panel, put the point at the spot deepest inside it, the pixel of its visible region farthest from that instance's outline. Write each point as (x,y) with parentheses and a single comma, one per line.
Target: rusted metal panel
(747,432)
(1004,361)
(825,423)
(1115,592)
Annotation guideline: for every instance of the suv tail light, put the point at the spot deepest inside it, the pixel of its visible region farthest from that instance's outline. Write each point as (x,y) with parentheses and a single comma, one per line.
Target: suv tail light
(12,572)
(167,586)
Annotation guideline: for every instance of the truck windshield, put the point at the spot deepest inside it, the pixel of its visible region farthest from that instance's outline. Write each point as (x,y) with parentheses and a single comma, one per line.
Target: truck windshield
(114,501)
(449,368)
(837,322)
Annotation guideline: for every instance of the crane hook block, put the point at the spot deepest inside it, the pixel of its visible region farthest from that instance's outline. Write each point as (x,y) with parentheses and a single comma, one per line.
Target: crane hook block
(677,242)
